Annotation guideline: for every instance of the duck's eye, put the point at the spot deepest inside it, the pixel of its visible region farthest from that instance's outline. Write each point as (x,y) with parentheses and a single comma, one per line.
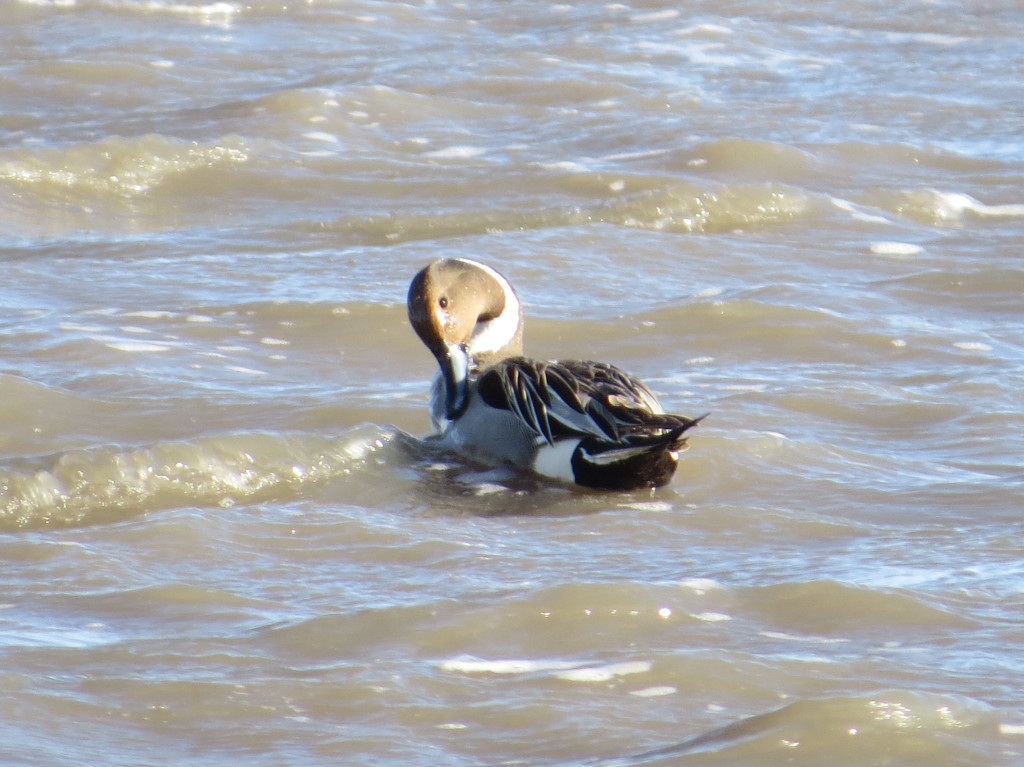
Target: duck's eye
(443,302)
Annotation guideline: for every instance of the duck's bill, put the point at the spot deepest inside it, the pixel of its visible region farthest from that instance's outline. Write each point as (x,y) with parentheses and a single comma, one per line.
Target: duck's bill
(455,368)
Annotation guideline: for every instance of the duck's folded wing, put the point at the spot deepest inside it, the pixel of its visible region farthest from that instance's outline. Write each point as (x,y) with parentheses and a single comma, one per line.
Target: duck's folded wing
(574,399)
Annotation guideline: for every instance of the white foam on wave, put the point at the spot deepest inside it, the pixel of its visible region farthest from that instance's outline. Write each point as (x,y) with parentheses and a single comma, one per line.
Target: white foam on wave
(75,326)
(563,165)
(701,586)
(605,673)
(711,617)
(137,346)
(569,671)
(647,506)
(895,249)
(663,15)
(654,692)
(149,314)
(471,665)
(456,153)
(744,387)
(954,204)
(625,156)
(798,638)
(488,488)
(704,29)
(218,14)
(696,53)
(328,138)
(208,9)
(203,10)
(973,346)
(711,292)
(857,213)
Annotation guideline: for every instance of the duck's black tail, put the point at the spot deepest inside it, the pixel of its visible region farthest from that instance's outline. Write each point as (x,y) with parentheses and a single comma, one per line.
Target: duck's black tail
(639,460)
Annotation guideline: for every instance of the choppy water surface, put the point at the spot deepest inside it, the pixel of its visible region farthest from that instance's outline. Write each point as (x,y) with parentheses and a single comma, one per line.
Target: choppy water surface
(221,541)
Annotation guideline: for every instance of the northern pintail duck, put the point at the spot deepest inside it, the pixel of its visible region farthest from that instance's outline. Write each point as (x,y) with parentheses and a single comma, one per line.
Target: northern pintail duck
(578,421)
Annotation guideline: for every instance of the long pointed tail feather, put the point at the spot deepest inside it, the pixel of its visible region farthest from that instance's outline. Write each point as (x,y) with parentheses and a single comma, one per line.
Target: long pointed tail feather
(636,461)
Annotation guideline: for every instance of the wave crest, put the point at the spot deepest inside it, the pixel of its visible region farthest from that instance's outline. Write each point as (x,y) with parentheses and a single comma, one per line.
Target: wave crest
(106,484)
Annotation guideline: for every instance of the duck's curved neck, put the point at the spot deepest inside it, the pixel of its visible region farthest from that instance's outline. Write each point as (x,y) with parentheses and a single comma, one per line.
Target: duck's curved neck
(502,335)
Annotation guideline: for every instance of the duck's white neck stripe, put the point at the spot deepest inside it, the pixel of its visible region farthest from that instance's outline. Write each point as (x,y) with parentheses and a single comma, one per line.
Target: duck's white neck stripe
(494,334)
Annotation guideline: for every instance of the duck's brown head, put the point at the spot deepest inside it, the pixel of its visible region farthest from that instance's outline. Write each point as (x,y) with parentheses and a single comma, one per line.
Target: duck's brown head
(468,316)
